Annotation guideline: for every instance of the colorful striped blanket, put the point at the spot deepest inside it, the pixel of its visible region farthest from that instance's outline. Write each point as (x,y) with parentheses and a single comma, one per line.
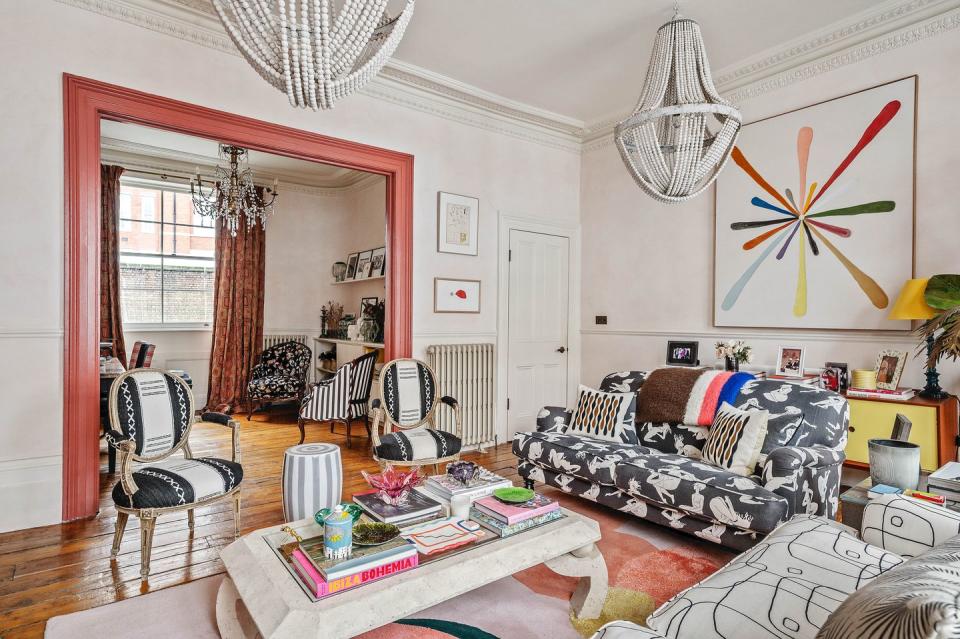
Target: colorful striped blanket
(689,396)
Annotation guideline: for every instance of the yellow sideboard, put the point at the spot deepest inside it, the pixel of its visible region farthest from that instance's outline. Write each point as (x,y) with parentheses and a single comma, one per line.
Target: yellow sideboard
(934,428)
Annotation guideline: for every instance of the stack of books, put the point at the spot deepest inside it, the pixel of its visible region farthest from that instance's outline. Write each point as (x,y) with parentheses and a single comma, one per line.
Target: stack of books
(418,508)
(509,519)
(946,481)
(808,379)
(445,488)
(899,395)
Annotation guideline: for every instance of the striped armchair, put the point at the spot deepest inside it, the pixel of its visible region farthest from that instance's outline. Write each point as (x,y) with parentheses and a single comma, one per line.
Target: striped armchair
(344,397)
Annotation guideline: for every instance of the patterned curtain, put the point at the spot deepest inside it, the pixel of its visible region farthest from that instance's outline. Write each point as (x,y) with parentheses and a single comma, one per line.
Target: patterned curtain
(111,326)
(237,314)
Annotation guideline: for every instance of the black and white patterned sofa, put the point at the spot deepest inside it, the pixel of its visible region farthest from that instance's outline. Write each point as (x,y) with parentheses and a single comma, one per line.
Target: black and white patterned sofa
(662,478)
(813,578)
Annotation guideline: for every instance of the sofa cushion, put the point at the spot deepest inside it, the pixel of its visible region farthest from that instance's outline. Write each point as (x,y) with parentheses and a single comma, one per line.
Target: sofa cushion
(735,439)
(178,482)
(785,586)
(591,459)
(918,598)
(799,415)
(606,416)
(702,489)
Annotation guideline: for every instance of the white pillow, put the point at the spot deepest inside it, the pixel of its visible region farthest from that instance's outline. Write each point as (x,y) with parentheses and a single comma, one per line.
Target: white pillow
(736,438)
(607,416)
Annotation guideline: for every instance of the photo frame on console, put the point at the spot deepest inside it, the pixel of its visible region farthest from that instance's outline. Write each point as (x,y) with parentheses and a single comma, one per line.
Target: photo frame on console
(680,353)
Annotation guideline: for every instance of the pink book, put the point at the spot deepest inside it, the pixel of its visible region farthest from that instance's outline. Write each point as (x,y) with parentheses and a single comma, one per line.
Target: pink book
(511,514)
(321,588)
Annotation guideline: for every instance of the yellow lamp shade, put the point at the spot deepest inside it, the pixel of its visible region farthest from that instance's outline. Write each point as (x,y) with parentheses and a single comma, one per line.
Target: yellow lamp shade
(910,304)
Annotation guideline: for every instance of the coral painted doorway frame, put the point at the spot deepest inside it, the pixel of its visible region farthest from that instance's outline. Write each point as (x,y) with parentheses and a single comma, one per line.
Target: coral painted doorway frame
(86,101)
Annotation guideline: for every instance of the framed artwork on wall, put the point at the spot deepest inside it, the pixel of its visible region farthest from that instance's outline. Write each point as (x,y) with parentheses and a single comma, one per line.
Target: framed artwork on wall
(457,220)
(815,214)
(378,262)
(363,265)
(456,296)
(790,361)
(890,368)
(682,353)
(351,266)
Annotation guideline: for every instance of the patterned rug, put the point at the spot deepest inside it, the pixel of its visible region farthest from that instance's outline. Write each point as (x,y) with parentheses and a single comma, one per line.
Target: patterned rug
(647,565)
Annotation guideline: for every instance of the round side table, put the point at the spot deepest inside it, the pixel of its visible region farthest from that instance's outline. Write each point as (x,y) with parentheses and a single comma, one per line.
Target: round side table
(312,479)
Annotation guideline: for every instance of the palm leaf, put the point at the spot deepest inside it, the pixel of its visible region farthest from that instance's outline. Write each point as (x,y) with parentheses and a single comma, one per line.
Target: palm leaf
(943,292)
(947,343)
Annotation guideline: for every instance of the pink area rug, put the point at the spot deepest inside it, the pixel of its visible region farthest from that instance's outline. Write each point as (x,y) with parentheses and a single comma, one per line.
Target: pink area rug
(647,565)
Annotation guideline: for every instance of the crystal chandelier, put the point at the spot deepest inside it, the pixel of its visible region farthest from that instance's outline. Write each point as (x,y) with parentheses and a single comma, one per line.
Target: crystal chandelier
(309,49)
(668,143)
(233,194)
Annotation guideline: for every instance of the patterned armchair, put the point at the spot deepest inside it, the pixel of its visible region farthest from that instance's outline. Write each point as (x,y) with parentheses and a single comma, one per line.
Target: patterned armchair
(408,388)
(151,413)
(279,374)
(344,397)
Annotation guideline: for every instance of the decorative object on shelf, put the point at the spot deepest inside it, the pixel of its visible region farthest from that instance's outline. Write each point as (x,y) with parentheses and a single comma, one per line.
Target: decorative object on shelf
(323,320)
(338,534)
(233,196)
(942,295)
(894,463)
(830,379)
(790,361)
(682,353)
(379,316)
(734,352)
(890,368)
(339,271)
(374,533)
(394,485)
(369,328)
(864,378)
(456,296)
(353,509)
(457,221)
(352,265)
(363,265)
(378,262)
(316,51)
(463,471)
(843,375)
(667,143)
(514,495)
(348,327)
(334,317)
(855,162)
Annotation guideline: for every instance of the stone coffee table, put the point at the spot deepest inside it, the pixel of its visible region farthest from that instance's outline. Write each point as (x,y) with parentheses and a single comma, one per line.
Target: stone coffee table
(259,596)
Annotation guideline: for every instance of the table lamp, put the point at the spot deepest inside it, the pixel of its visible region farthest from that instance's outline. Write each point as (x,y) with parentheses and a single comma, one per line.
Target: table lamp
(911,305)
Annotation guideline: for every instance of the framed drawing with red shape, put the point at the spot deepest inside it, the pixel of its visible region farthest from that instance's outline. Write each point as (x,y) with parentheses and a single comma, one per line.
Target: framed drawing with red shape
(456,296)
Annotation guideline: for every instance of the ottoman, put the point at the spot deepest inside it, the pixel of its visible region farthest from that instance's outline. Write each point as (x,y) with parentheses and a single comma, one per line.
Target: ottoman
(312,479)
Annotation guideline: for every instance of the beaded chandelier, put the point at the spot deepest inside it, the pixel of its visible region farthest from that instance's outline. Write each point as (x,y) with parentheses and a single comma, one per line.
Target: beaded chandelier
(314,52)
(681,132)
(233,195)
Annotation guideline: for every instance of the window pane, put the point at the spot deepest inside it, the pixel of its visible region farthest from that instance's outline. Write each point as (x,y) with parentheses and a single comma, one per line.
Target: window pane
(148,211)
(140,293)
(184,241)
(126,210)
(187,290)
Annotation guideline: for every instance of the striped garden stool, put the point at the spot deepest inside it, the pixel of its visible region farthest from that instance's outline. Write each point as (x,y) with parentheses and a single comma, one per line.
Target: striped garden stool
(312,479)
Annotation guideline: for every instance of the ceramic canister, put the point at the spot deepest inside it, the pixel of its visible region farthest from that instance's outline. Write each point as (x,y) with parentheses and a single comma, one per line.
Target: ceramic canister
(338,534)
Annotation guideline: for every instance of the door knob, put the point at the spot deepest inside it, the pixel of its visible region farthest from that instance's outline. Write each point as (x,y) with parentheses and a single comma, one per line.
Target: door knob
(562,349)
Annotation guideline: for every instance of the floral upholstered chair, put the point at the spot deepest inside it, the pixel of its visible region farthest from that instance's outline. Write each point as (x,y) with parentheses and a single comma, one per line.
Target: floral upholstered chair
(344,397)
(408,403)
(280,374)
(151,413)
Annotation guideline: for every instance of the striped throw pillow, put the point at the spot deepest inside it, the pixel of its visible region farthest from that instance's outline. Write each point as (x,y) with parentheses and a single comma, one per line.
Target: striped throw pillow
(735,439)
(607,416)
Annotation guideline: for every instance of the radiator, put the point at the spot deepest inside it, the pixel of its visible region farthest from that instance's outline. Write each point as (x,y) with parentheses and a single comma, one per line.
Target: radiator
(466,372)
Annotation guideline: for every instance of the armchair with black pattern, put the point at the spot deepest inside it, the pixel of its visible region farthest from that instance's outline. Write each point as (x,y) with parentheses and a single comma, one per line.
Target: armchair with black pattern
(279,374)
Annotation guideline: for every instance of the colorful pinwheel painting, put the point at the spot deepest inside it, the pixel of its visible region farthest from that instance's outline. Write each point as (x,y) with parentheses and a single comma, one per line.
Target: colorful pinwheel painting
(814,219)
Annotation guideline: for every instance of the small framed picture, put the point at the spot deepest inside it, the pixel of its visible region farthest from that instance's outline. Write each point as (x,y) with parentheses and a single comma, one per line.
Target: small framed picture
(366,302)
(352,266)
(456,296)
(363,265)
(790,361)
(890,368)
(457,219)
(843,374)
(682,353)
(378,262)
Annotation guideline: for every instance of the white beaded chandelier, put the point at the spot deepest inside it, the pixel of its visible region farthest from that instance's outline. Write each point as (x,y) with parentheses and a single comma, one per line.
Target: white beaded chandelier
(310,49)
(668,143)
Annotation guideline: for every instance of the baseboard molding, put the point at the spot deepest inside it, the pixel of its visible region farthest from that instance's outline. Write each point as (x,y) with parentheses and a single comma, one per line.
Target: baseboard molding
(30,492)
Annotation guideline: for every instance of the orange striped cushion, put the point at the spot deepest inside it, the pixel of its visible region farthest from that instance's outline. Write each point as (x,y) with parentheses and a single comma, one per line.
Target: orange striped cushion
(735,439)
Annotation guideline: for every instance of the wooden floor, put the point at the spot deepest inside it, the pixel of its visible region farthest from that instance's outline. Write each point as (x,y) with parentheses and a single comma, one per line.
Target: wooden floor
(60,569)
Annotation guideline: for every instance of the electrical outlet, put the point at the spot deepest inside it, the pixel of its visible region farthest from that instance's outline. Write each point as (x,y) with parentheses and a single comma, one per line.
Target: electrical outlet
(601,320)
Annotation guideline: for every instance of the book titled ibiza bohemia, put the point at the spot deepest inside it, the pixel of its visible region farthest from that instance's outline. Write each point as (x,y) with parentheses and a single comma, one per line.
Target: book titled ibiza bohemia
(320,588)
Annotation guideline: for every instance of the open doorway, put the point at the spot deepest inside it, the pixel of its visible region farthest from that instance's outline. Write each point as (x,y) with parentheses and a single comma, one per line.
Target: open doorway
(88,102)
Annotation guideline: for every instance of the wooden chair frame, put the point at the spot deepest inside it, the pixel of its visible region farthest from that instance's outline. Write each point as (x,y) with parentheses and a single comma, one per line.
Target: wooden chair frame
(148,516)
(381,414)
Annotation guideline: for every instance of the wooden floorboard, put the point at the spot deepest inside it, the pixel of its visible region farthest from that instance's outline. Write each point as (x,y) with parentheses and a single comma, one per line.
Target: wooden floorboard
(56,570)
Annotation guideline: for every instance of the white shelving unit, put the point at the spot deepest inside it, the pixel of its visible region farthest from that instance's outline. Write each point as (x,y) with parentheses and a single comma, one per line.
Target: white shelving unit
(345,349)
(367,279)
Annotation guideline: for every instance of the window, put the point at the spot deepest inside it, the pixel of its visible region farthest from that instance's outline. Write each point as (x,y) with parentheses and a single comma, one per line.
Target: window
(166,260)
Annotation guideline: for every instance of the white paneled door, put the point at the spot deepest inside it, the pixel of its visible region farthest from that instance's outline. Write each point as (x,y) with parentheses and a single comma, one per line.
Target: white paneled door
(539,299)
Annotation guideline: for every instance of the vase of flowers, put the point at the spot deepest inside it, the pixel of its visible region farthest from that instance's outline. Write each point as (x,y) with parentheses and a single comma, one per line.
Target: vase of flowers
(734,353)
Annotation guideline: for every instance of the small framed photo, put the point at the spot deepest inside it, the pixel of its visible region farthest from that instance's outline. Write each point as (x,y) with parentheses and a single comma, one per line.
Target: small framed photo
(790,361)
(457,219)
(456,296)
(351,266)
(843,374)
(682,353)
(366,302)
(378,262)
(363,265)
(890,368)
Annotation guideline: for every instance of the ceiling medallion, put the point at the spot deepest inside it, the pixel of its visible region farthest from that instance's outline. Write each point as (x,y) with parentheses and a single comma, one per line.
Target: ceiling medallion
(310,49)
(681,132)
(233,196)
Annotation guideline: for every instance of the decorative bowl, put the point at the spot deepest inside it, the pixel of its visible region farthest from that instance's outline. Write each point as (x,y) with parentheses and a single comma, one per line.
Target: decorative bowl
(354,511)
(394,485)
(463,471)
(373,533)
(513,495)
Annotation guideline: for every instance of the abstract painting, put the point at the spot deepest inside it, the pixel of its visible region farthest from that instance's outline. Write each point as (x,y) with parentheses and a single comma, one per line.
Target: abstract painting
(814,215)
(456,296)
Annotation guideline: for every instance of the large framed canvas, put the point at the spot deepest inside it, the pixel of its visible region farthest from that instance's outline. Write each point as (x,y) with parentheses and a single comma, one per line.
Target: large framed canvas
(815,215)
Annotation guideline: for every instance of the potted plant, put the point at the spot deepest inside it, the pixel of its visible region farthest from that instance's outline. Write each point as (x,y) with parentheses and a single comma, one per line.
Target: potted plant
(941,332)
